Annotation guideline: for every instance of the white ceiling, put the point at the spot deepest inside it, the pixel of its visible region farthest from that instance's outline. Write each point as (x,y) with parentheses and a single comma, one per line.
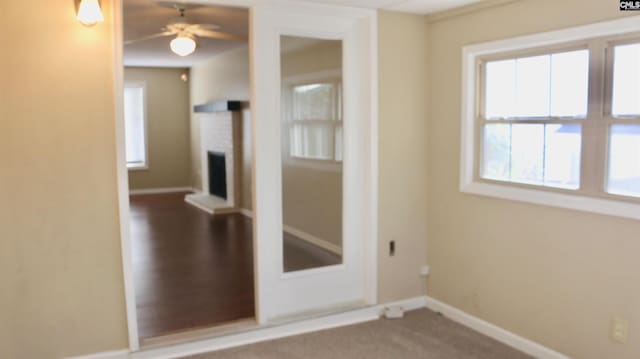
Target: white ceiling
(412,6)
(147,17)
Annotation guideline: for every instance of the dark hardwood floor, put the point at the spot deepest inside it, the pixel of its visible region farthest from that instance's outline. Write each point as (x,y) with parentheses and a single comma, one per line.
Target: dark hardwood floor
(193,270)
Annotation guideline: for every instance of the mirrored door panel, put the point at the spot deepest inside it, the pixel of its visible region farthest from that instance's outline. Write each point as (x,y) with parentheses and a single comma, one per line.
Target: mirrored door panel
(312,144)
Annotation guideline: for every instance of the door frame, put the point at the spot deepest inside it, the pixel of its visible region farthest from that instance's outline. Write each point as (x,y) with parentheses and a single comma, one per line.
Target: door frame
(370,250)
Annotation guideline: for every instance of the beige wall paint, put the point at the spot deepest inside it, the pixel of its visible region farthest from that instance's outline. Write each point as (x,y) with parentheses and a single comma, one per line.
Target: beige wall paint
(551,275)
(168,129)
(60,266)
(403,200)
(224,77)
(312,198)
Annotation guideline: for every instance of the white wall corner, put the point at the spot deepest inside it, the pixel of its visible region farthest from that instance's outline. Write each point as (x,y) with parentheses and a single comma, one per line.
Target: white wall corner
(504,336)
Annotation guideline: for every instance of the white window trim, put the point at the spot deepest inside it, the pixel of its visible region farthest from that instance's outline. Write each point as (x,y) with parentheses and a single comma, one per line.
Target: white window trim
(310,163)
(469,183)
(144,166)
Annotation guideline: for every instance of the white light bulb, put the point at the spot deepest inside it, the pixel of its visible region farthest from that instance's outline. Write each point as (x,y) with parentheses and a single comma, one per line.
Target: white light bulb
(89,12)
(183,45)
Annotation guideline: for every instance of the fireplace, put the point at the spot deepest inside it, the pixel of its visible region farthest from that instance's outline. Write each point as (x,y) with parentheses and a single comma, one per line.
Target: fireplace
(217,168)
(220,167)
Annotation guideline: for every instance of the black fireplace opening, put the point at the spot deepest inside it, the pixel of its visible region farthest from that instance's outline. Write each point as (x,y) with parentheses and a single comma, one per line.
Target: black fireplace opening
(217,174)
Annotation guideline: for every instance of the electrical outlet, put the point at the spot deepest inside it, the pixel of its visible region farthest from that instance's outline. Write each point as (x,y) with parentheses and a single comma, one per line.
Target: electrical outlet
(619,330)
(424,271)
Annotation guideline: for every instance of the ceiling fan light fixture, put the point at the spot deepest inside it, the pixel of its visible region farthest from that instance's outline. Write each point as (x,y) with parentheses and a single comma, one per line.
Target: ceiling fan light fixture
(89,12)
(183,45)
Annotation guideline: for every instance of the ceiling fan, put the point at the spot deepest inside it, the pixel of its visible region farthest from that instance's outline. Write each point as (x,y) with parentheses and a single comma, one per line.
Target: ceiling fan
(187,33)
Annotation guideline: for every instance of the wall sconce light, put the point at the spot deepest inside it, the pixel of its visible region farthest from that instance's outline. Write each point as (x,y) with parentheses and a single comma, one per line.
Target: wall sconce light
(89,12)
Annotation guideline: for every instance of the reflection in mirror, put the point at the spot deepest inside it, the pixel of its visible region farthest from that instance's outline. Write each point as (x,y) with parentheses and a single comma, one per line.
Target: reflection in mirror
(311,112)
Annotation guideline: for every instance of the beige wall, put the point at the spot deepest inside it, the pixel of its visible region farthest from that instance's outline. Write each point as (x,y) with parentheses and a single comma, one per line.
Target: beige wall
(167,129)
(551,275)
(224,77)
(60,268)
(312,198)
(402,170)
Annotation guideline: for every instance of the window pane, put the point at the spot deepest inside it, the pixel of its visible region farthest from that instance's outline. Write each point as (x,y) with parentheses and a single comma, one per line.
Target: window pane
(311,141)
(626,80)
(315,102)
(134,125)
(624,160)
(562,156)
(497,151)
(527,153)
(500,89)
(532,86)
(538,86)
(569,83)
(338,153)
(538,154)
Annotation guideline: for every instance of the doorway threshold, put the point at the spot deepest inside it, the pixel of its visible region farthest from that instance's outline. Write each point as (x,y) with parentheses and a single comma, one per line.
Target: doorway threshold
(219,338)
(196,334)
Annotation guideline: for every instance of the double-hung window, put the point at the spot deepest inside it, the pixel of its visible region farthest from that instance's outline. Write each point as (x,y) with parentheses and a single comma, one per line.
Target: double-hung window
(313,118)
(135,125)
(555,121)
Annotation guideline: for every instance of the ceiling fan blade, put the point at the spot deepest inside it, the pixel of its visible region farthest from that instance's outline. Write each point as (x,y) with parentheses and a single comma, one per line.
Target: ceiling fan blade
(218,35)
(154,36)
(205,26)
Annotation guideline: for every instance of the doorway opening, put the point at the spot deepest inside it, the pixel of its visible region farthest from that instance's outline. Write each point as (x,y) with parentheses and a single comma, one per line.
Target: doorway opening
(189,156)
(188,153)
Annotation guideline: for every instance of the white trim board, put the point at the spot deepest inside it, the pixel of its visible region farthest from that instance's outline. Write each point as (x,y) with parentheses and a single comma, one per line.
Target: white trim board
(313,239)
(161,190)
(302,235)
(506,337)
(333,321)
(270,333)
(116,354)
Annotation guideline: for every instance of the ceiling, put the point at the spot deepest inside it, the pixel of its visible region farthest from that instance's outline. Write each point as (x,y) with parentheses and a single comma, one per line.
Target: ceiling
(147,17)
(413,6)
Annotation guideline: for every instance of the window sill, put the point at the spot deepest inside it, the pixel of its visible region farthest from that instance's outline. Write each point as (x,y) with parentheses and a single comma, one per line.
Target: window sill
(137,168)
(560,200)
(314,164)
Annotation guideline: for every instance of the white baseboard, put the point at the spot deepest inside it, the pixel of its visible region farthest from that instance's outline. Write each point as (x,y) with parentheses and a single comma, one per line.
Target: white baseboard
(506,337)
(313,239)
(302,235)
(247,213)
(117,354)
(270,333)
(332,321)
(160,190)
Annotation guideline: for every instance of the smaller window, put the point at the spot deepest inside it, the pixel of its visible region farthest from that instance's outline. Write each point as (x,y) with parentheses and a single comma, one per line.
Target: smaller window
(313,118)
(624,131)
(135,125)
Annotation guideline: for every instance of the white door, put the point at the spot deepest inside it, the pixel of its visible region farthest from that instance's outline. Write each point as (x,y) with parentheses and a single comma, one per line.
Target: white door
(351,280)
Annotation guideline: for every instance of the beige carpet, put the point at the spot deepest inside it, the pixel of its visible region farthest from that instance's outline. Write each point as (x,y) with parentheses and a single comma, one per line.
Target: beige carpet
(421,334)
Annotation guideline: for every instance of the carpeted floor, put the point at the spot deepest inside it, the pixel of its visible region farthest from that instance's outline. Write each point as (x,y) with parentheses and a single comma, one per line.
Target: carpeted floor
(420,334)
